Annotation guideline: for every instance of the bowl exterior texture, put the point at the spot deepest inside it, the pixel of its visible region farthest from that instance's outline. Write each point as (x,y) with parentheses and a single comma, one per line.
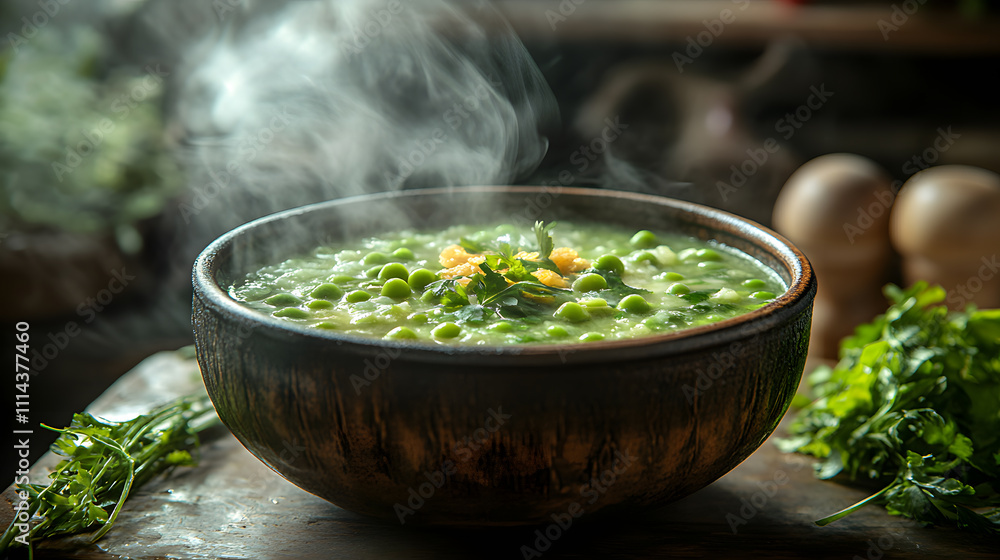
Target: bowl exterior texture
(478,436)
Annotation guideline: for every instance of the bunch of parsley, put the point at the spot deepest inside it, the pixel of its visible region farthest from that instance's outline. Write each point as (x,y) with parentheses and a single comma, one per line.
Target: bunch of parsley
(914,406)
(102,462)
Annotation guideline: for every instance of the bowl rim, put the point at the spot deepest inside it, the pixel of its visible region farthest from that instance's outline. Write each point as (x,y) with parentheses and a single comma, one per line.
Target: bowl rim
(799,294)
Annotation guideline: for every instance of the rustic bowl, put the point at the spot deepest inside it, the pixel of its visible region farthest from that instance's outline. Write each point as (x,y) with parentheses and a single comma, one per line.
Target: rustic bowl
(477,435)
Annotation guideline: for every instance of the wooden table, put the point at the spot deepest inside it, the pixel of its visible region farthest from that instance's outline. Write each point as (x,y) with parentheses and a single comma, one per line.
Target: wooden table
(232,506)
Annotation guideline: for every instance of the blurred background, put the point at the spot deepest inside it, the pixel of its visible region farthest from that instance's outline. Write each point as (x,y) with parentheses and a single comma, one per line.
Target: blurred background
(133,132)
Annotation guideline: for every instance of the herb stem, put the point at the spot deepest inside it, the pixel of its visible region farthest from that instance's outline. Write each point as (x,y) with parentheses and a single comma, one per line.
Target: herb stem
(849,510)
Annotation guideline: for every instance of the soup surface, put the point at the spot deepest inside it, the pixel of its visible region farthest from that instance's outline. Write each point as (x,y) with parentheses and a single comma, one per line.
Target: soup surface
(499,285)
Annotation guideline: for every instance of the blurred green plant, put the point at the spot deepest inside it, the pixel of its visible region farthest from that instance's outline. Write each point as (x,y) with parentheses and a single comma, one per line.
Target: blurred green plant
(81,151)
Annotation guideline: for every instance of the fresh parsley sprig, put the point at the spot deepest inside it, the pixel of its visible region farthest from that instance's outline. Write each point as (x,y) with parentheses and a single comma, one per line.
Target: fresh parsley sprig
(505,285)
(913,404)
(103,462)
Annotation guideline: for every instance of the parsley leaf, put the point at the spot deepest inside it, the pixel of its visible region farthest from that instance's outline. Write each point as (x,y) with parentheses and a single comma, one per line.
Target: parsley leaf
(544,239)
(505,284)
(913,405)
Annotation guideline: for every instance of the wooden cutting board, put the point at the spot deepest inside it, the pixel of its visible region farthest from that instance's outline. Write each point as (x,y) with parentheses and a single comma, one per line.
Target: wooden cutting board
(232,506)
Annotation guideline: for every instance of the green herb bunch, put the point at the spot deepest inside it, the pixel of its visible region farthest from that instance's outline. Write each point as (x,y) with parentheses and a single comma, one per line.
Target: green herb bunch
(103,461)
(914,406)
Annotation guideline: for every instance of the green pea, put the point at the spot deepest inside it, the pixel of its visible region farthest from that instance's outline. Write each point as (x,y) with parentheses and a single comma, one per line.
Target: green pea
(255,294)
(291,313)
(373,272)
(711,265)
(590,283)
(633,304)
(400,333)
(610,263)
(282,300)
(429,297)
(403,253)
(396,288)
(393,270)
(673,276)
(327,325)
(708,255)
(375,258)
(394,313)
(331,292)
(502,326)
(418,318)
(319,304)
(572,312)
(657,322)
(364,306)
(593,302)
(687,254)
(678,289)
(343,279)
(556,331)
(420,277)
(591,337)
(762,295)
(357,296)
(753,283)
(446,330)
(645,256)
(644,239)
(726,295)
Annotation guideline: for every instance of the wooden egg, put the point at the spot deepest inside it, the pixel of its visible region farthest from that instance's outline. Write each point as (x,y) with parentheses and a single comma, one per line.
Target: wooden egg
(946,224)
(835,208)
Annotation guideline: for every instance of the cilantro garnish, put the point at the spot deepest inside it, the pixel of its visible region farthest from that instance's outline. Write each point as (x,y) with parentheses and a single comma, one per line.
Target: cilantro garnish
(914,405)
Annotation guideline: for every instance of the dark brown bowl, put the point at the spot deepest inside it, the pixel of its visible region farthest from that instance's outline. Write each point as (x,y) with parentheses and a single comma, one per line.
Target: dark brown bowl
(507,435)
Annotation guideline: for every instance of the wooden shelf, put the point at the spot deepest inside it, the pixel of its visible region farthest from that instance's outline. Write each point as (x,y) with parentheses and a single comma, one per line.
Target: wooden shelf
(752,24)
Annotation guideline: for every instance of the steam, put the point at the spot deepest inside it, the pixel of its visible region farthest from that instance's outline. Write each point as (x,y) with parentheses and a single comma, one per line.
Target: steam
(322,99)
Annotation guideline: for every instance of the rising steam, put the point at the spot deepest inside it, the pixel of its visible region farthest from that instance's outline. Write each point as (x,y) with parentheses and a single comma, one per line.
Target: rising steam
(320,99)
